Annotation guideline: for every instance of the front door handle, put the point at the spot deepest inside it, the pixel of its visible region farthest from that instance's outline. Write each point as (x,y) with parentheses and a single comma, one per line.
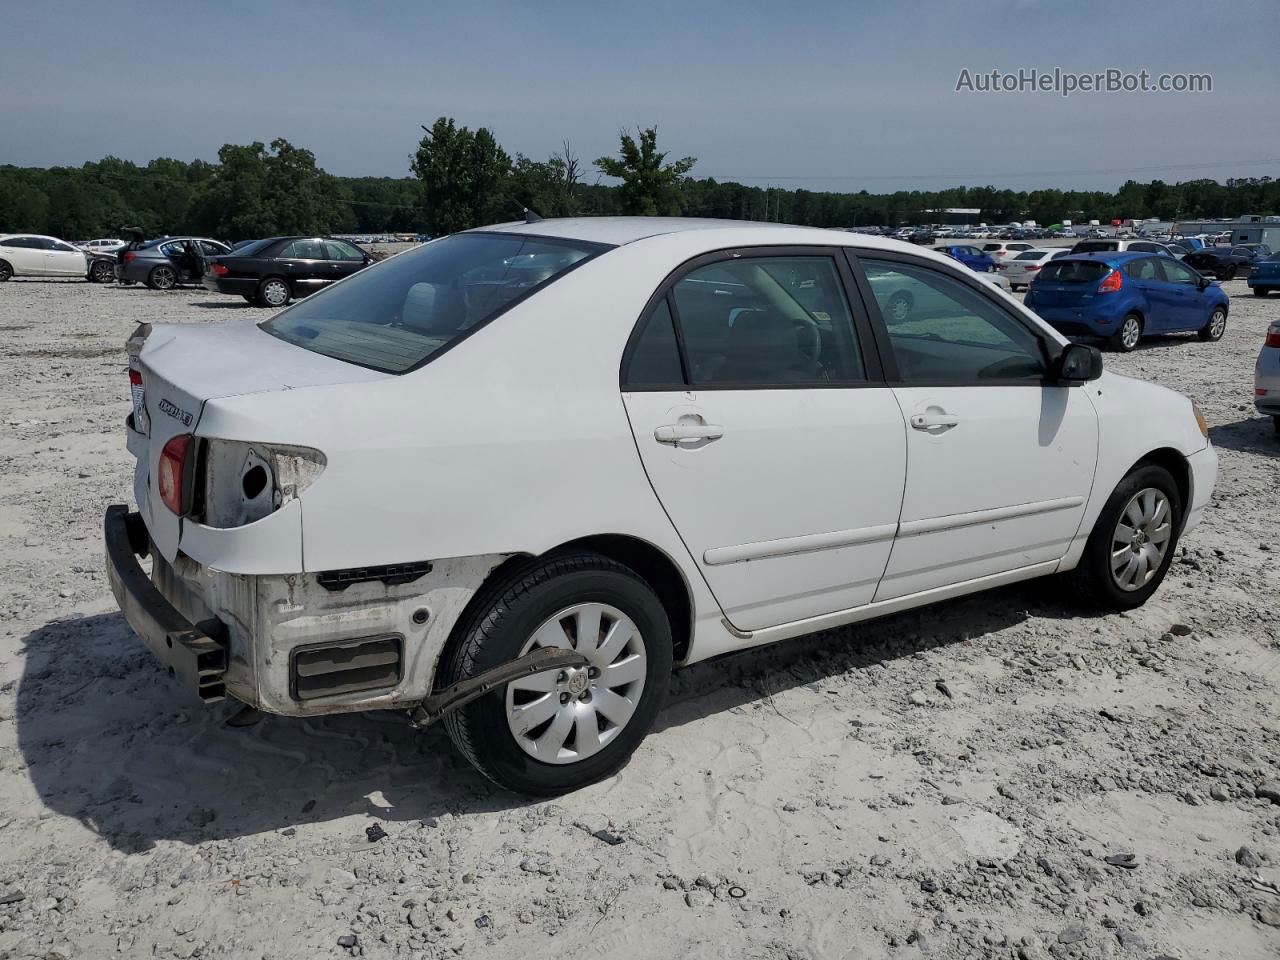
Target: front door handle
(678,432)
(927,421)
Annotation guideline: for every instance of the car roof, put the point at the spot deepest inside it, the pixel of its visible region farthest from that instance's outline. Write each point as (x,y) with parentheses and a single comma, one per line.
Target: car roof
(617,231)
(1111,256)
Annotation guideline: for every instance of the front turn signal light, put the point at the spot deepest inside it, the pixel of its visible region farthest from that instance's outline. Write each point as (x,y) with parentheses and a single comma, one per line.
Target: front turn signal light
(1200,421)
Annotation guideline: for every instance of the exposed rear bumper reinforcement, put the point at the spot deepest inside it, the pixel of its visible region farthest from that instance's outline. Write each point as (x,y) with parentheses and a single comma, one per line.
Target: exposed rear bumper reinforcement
(460,694)
(196,654)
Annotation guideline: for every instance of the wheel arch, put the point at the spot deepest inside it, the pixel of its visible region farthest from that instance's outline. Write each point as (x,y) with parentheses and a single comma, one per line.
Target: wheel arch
(1176,463)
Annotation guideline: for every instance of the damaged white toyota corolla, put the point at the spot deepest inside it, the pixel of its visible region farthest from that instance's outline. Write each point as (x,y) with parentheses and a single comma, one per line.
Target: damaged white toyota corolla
(510,477)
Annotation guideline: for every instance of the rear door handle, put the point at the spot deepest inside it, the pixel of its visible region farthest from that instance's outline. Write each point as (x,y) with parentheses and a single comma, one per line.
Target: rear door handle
(926,421)
(677,432)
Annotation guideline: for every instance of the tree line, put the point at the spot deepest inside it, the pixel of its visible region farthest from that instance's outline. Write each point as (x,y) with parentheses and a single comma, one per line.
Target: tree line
(463,178)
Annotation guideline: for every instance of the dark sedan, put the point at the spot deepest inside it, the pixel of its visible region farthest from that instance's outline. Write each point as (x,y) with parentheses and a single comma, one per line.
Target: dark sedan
(1226,263)
(271,272)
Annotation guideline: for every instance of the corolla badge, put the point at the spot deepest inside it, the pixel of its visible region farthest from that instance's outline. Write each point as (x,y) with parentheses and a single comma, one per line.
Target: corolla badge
(176,412)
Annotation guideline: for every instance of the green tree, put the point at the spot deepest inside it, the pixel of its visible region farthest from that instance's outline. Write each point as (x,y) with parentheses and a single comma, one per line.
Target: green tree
(650,185)
(465,176)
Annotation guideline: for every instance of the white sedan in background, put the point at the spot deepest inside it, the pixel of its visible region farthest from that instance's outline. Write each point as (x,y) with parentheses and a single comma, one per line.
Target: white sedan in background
(1025,267)
(510,477)
(106,245)
(32,255)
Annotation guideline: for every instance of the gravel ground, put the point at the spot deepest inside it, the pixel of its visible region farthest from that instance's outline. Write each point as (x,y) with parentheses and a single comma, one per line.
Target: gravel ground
(964,781)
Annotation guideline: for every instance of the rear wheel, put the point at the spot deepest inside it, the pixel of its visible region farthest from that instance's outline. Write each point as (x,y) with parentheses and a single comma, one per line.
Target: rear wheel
(1130,332)
(1228,274)
(560,730)
(899,306)
(1216,325)
(6,271)
(162,278)
(1133,541)
(1261,291)
(273,292)
(102,272)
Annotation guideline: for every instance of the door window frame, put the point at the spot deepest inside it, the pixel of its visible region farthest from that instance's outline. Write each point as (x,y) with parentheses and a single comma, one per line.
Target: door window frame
(1049,347)
(863,331)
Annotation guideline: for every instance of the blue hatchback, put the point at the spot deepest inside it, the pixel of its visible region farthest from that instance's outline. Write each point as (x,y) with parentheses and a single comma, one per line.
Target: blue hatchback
(1119,297)
(970,256)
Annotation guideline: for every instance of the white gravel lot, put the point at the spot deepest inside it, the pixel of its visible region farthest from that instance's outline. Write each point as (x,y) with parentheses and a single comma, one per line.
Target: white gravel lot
(796,802)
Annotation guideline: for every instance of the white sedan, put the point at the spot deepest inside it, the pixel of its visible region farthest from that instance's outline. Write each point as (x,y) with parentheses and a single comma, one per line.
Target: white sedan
(32,255)
(1025,267)
(511,477)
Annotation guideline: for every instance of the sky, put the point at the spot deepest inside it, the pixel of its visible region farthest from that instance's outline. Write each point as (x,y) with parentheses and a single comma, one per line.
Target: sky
(829,96)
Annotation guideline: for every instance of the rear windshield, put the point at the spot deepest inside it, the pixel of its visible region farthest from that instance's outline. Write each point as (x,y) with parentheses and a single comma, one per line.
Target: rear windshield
(396,315)
(1093,246)
(1030,255)
(1074,271)
(252,248)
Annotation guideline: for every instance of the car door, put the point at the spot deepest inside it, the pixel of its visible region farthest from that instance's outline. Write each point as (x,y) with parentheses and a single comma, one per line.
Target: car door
(1191,311)
(63,260)
(1000,459)
(767,432)
(305,264)
(1163,299)
(25,255)
(343,258)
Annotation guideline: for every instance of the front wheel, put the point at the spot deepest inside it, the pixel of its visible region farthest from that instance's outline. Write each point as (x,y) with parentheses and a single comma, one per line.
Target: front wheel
(1130,332)
(1133,541)
(560,730)
(102,272)
(1215,327)
(273,292)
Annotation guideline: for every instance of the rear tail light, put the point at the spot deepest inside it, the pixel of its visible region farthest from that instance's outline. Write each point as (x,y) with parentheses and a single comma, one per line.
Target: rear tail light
(219,270)
(130,256)
(1273,335)
(175,492)
(1033,268)
(1259,392)
(1111,283)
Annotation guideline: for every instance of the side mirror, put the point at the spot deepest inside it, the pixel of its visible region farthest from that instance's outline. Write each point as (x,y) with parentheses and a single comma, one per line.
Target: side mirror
(1078,363)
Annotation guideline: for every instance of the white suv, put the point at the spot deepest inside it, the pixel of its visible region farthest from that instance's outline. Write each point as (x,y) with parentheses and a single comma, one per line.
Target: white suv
(512,476)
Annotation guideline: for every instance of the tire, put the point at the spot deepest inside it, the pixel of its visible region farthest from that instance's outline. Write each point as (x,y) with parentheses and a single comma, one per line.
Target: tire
(6,271)
(1095,580)
(1261,291)
(1229,273)
(273,292)
(1275,422)
(899,307)
(1215,326)
(162,278)
(518,613)
(102,272)
(1127,337)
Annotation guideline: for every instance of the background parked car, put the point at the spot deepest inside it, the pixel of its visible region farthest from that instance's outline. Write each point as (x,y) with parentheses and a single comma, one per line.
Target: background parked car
(1024,268)
(102,246)
(969,255)
(33,255)
(1264,275)
(1266,377)
(1119,297)
(1000,250)
(167,263)
(1226,263)
(273,271)
(1121,246)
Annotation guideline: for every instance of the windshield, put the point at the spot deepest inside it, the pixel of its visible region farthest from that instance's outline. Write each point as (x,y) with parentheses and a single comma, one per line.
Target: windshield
(1074,271)
(396,315)
(252,247)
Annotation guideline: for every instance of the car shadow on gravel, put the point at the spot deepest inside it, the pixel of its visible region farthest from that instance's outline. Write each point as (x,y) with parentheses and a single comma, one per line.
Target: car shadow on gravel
(107,738)
(237,304)
(1255,434)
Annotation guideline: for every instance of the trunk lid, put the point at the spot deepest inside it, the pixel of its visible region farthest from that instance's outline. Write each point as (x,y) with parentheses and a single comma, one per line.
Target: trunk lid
(183,366)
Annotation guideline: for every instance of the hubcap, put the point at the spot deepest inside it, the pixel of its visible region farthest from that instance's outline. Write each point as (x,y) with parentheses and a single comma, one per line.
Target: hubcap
(1141,539)
(568,715)
(164,279)
(1132,329)
(276,293)
(899,309)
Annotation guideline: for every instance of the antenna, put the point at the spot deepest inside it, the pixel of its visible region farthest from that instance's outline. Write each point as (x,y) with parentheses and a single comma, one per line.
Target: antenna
(530,216)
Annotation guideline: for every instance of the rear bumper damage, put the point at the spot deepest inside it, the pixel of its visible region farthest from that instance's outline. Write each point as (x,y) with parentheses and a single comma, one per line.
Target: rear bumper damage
(302,644)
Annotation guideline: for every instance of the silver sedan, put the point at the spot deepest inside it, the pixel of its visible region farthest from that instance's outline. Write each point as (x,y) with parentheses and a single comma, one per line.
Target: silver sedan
(1266,378)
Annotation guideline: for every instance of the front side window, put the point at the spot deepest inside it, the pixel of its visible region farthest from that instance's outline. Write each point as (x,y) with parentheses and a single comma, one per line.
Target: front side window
(944,331)
(767,321)
(396,315)
(341,250)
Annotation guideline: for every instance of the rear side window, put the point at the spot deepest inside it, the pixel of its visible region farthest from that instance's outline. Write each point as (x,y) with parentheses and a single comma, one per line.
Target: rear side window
(655,356)
(398,314)
(1074,271)
(303,250)
(1144,269)
(767,321)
